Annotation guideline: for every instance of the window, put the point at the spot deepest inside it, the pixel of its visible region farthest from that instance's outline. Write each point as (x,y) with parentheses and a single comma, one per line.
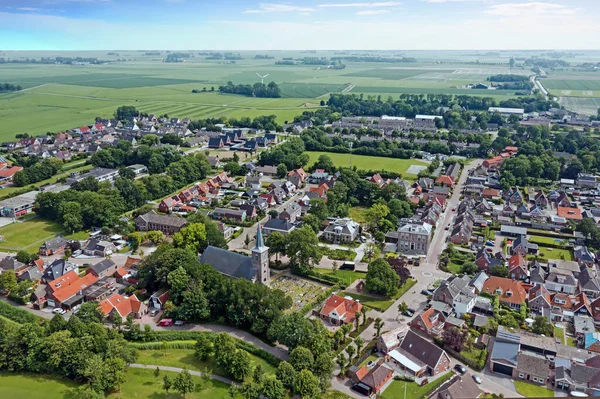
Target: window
(521,375)
(535,379)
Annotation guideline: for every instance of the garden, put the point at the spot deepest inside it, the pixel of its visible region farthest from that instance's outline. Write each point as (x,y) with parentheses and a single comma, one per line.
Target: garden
(533,391)
(411,390)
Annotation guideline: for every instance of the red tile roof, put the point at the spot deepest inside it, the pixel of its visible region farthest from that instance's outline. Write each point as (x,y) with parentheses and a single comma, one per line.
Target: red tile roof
(517,296)
(74,286)
(569,213)
(517,261)
(343,307)
(124,306)
(10,172)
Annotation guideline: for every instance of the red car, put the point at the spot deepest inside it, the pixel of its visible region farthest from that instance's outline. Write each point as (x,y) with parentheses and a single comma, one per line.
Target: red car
(165,323)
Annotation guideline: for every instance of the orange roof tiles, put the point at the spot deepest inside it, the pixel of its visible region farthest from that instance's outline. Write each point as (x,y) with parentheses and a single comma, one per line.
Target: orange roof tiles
(132,261)
(124,306)
(511,291)
(67,291)
(343,307)
(516,261)
(569,213)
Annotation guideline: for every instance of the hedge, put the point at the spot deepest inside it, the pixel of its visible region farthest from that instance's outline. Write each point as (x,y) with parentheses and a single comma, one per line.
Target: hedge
(16,314)
(160,338)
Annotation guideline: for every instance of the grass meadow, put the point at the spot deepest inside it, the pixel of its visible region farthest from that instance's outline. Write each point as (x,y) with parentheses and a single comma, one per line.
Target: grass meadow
(366,162)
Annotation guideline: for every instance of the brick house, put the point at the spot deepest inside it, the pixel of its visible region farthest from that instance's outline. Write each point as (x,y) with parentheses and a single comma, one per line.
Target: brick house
(338,310)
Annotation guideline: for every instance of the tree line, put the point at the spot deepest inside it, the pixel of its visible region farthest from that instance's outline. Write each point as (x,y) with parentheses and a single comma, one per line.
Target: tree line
(37,172)
(290,153)
(261,90)
(7,87)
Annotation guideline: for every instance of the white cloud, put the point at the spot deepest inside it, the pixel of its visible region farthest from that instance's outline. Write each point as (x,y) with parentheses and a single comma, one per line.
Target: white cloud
(360,5)
(533,9)
(451,1)
(29,9)
(372,12)
(265,8)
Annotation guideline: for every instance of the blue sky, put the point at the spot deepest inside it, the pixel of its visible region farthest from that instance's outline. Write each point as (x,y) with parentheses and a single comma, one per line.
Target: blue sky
(298,24)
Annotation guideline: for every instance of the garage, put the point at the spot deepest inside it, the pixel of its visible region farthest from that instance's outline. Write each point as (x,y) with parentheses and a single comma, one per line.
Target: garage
(502,368)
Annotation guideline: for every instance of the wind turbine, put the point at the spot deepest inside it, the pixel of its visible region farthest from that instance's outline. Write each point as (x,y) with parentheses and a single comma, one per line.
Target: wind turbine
(262,78)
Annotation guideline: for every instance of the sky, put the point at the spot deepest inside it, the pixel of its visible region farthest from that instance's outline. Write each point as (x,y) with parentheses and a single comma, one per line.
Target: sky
(299,24)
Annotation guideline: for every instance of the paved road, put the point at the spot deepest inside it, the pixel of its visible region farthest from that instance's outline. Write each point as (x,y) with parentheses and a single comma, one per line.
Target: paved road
(178,370)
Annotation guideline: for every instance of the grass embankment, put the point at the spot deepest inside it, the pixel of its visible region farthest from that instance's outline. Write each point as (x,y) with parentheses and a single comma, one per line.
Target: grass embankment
(397,389)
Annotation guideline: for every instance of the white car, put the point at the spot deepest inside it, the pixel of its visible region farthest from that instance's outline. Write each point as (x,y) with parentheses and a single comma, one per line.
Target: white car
(59,311)
(477,379)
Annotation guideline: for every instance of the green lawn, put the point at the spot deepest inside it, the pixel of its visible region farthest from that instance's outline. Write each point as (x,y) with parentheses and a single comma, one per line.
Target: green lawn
(533,391)
(141,383)
(560,334)
(397,389)
(185,358)
(348,276)
(30,386)
(376,303)
(357,214)
(29,234)
(454,268)
(368,359)
(571,342)
(546,240)
(365,162)
(555,253)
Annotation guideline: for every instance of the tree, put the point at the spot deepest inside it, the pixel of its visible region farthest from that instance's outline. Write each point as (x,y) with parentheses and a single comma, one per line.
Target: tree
(126,112)
(286,374)
(87,392)
(313,222)
(247,240)
(240,365)
(303,248)
(402,308)
(378,324)
(250,390)
(258,374)
(499,271)
(301,358)
(381,278)
(167,383)
(203,347)
(282,170)
(23,256)
(334,267)
(272,388)
(307,385)
(71,215)
(89,312)
(319,208)
(326,163)
(194,304)
(455,338)
(541,325)
(8,281)
(277,244)
(233,168)
(359,342)
(184,383)
(375,214)
(156,372)
(154,236)
(350,350)
(192,237)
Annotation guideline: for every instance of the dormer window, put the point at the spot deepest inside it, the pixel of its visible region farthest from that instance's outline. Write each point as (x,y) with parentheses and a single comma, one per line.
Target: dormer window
(509,293)
(498,291)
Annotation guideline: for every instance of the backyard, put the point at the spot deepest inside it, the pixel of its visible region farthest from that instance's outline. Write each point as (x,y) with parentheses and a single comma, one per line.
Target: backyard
(411,390)
(301,291)
(365,162)
(533,391)
(380,303)
(348,276)
(555,253)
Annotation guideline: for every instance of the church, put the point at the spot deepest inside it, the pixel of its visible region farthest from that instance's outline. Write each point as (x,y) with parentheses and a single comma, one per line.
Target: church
(254,268)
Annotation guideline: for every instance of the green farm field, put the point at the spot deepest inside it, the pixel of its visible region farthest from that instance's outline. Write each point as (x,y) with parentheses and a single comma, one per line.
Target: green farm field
(59,97)
(365,162)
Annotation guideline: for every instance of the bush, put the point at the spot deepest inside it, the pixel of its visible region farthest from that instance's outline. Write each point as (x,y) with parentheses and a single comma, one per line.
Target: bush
(17,315)
(322,297)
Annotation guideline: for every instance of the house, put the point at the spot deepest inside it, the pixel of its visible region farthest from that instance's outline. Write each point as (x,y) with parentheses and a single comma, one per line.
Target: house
(67,291)
(254,268)
(297,177)
(374,378)
(167,204)
(267,170)
(341,230)
(251,211)
(586,180)
(10,263)
(99,248)
(419,357)
(510,292)
(577,374)
(54,246)
(278,225)
(391,340)
(517,267)
(338,310)
(8,172)
(540,299)
(216,142)
(414,237)
(589,282)
(584,256)
(158,299)
(571,214)
(456,292)
(457,387)
(226,230)
(564,283)
(117,306)
(485,260)
(168,225)
(532,368)
(377,179)
(523,247)
(105,268)
(430,322)
(583,325)
(239,215)
(57,269)
(291,213)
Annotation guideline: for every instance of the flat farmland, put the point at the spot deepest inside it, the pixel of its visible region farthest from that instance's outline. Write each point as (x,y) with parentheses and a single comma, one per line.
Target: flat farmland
(365,162)
(586,106)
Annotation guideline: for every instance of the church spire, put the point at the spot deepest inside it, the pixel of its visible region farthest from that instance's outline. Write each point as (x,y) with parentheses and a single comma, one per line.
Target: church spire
(260,244)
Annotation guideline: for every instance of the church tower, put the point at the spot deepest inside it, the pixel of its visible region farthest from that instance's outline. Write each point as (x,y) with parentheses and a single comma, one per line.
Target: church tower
(260,259)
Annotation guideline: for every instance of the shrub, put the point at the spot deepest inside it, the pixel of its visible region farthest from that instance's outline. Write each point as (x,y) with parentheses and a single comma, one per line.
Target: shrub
(16,314)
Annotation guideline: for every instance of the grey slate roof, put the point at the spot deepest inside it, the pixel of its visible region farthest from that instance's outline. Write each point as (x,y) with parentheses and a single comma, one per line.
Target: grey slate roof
(535,365)
(56,243)
(421,349)
(103,265)
(505,351)
(10,263)
(56,269)
(229,263)
(279,224)
(32,274)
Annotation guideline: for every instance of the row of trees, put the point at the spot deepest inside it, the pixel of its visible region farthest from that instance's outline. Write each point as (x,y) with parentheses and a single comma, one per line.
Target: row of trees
(270,90)
(7,87)
(37,172)
(290,153)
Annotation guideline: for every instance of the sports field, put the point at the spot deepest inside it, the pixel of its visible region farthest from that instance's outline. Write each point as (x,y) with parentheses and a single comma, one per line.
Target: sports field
(365,162)
(58,97)
(28,235)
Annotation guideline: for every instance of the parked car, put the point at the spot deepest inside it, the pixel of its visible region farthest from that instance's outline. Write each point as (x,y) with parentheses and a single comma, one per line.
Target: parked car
(408,313)
(489,243)
(154,312)
(179,322)
(165,323)
(59,311)
(460,368)
(426,292)
(412,310)
(477,379)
